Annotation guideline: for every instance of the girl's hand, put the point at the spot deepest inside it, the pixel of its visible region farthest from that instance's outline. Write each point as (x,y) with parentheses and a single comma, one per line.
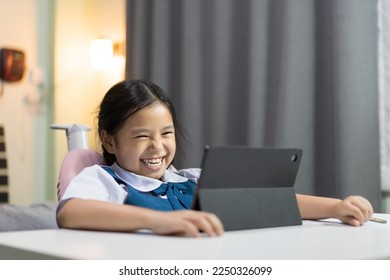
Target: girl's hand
(353,210)
(186,222)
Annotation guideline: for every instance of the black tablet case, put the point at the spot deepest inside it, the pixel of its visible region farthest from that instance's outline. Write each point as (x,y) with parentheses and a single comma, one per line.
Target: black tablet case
(248,187)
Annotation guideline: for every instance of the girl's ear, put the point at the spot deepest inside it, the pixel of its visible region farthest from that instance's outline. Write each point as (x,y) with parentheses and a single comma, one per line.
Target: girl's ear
(108,141)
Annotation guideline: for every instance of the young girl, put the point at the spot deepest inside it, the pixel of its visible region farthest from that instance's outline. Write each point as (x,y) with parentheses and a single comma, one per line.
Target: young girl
(138,187)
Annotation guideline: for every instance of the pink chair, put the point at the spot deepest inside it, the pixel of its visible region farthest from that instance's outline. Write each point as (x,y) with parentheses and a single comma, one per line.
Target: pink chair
(75,161)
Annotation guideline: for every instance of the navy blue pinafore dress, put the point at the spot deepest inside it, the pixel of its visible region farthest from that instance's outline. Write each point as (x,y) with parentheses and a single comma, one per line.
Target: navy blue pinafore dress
(177,196)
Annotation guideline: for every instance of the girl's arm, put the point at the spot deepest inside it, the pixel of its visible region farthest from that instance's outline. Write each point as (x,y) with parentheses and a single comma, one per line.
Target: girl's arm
(354,210)
(100,215)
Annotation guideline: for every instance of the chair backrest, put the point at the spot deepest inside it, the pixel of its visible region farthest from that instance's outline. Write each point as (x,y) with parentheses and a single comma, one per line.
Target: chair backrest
(73,163)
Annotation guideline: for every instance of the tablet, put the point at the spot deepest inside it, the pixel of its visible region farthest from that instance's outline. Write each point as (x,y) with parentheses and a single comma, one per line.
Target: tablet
(249,187)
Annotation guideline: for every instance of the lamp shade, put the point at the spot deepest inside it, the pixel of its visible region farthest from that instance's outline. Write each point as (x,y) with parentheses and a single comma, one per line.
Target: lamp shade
(102,53)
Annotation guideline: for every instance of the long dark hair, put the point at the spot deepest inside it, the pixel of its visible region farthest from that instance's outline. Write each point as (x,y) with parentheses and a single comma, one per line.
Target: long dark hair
(126,98)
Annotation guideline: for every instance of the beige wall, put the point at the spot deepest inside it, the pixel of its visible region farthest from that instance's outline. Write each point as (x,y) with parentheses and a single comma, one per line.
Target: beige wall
(24,106)
(79,89)
(55,34)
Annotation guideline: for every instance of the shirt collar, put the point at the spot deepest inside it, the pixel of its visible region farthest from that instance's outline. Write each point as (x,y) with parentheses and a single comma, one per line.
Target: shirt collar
(143,183)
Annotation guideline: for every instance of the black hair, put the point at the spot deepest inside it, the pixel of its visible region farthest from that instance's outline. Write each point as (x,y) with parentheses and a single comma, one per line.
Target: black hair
(125,99)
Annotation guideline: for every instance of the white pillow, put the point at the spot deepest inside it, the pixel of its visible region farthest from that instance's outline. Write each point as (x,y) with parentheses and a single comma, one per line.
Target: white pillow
(35,216)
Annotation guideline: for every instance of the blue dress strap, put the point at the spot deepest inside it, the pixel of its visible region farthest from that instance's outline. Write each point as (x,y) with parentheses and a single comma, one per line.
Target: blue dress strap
(167,197)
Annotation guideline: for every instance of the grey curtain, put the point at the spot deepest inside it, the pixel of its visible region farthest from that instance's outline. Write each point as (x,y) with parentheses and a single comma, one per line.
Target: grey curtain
(276,73)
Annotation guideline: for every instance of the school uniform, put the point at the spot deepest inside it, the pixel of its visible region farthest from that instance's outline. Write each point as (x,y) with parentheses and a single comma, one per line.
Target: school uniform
(114,184)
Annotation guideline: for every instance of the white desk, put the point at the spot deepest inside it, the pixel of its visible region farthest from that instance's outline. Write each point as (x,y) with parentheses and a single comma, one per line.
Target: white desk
(314,240)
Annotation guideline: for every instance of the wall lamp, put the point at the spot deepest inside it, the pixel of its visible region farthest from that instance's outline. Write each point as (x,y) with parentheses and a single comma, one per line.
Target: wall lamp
(102,53)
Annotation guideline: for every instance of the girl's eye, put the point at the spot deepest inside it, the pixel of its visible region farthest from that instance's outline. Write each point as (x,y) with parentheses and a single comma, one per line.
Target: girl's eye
(141,136)
(167,133)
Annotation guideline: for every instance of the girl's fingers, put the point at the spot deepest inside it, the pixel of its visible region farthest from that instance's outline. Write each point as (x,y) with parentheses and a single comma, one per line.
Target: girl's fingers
(188,223)
(208,223)
(355,210)
(364,207)
(216,223)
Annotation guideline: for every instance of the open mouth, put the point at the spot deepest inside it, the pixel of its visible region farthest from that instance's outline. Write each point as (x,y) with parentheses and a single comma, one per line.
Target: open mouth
(153,162)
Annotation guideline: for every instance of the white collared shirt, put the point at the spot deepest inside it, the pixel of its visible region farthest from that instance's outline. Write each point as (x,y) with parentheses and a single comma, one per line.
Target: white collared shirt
(97,184)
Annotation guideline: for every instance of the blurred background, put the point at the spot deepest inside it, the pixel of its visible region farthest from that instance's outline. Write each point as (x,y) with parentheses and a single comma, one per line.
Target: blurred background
(305,74)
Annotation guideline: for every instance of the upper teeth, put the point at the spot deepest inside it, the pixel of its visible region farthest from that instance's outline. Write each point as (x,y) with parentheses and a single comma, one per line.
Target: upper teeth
(154,161)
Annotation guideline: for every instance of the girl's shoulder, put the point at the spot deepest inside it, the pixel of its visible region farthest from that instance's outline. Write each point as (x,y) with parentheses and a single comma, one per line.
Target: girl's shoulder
(94,182)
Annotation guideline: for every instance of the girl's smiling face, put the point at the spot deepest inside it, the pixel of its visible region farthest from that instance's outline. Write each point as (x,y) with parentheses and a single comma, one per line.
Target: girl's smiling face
(146,144)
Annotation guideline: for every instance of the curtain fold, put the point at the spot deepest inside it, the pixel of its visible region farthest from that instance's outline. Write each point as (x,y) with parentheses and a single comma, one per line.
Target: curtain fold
(384,85)
(279,73)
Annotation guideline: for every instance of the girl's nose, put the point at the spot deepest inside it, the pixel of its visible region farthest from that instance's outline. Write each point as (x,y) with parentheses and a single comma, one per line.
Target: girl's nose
(156,144)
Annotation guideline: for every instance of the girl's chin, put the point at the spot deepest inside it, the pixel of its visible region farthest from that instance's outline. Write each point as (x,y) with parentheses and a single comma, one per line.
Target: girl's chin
(153,173)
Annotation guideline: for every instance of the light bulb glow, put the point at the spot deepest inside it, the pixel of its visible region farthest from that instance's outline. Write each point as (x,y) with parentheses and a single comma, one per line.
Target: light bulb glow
(102,54)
